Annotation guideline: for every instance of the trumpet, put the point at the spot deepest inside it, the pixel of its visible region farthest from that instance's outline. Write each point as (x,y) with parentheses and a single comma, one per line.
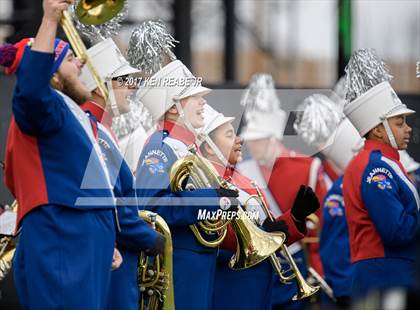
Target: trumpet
(254,244)
(91,12)
(304,288)
(155,275)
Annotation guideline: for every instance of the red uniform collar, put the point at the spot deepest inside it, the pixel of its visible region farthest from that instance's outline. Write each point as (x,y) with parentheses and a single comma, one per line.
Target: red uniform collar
(99,112)
(386,149)
(178,132)
(225,172)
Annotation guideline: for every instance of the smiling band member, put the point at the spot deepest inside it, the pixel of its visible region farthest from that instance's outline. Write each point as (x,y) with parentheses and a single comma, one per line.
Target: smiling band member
(134,234)
(223,148)
(64,255)
(179,109)
(381,202)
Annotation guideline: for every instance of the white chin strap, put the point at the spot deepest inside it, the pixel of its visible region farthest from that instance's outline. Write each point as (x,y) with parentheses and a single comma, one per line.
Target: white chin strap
(182,115)
(193,130)
(216,150)
(111,99)
(389,133)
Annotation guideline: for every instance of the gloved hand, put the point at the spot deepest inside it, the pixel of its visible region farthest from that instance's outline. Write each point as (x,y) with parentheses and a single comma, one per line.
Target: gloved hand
(158,247)
(228,199)
(270,226)
(305,203)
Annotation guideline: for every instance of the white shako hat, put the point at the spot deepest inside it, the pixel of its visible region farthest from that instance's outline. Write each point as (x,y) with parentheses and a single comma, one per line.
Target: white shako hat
(263,114)
(323,125)
(167,87)
(108,61)
(212,120)
(409,164)
(370,98)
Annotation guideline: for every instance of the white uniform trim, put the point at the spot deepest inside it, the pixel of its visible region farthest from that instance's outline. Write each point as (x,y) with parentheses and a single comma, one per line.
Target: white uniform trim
(403,177)
(313,172)
(178,147)
(87,126)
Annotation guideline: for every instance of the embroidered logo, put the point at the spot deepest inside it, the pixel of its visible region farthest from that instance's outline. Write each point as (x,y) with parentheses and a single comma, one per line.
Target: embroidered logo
(154,165)
(334,205)
(382,181)
(377,171)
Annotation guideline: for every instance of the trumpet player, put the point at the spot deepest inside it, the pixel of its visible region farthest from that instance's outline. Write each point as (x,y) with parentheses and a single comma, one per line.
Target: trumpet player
(279,171)
(223,148)
(134,234)
(49,143)
(381,202)
(179,110)
(339,142)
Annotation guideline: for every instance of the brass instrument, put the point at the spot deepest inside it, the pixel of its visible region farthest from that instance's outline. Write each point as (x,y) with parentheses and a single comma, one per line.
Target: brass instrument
(7,250)
(90,12)
(155,274)
(304,288)
(254,244)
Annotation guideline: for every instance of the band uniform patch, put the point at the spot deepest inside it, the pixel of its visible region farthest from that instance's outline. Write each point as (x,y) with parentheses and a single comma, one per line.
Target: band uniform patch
(154,165)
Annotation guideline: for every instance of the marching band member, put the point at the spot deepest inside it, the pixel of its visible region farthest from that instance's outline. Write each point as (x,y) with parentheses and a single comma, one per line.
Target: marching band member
(66,244)
(224,152)
(323,125)
(135,234)
(381,202)
(279,171)
(179,108)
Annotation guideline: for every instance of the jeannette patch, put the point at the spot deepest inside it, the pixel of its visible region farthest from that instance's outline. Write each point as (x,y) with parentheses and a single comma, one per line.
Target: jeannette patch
(155,165)
(381,177)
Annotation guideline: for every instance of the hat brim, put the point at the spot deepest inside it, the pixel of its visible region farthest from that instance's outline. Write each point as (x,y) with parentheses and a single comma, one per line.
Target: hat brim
(125,70)
(401,111)
(195,91)
(254,135)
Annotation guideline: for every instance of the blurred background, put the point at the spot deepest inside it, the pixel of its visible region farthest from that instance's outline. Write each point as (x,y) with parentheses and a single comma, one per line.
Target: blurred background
(304,44)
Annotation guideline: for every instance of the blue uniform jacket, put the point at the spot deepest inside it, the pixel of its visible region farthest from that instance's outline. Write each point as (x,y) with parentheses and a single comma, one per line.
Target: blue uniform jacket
(47,132)
(334,242)
(382,215)
(179,209)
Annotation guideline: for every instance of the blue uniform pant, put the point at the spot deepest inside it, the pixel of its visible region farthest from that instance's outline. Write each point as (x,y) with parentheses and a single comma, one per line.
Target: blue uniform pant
(248,289)
(382,274)
(124,293)
(283,293)
(193,279)
(63,258)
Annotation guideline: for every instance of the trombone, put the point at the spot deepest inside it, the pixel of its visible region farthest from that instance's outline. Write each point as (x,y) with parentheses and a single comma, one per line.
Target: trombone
(90,12)
(304,288)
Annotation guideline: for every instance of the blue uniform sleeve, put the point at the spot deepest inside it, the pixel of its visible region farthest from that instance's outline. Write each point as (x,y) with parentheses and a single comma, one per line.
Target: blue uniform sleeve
(334,246)
(396,223)
(37,108)
(136,234)
(154,193)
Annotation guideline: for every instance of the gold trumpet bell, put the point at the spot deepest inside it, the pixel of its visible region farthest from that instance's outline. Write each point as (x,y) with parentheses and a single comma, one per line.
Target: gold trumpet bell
(96,12)
(254,244)
(305,290)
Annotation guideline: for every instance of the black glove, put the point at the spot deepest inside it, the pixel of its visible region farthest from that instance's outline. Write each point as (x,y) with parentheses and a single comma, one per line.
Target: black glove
(158,247)
(272,226)
(305,203)
(231,195)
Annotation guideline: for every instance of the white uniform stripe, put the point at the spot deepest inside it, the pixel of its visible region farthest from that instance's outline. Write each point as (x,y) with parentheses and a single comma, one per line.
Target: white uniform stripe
(403,177)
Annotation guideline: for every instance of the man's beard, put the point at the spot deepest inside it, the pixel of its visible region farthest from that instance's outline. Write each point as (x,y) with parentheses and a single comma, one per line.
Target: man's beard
(75,91)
